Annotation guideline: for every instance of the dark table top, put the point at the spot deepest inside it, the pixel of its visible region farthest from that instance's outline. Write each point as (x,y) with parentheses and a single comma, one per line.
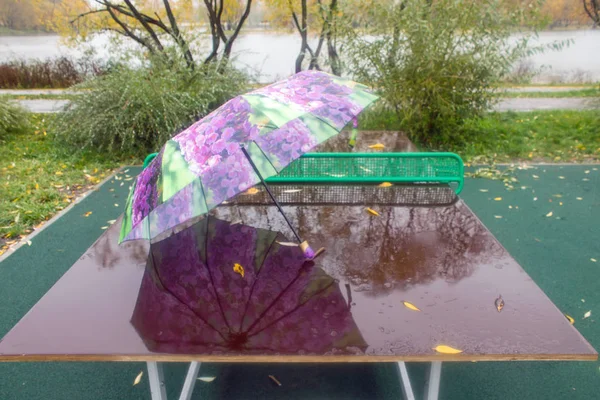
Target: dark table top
(426,247)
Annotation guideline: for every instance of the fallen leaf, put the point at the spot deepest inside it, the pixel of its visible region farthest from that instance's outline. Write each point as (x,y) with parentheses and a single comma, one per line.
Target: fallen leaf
(116,205)
(87,214)
(28,243)
(289,244)
(58,173)
(377,146)
(111,221)
(587,314)
(385,184)
(104,228)
(535,176)
(571,320)
(138,378)
(586,171)
(535,199)
(238,269)
(484,190)
(497,198)
(579,198)
(442,348)
(252,191)
(498,216)
(207,379)
(561,177)
(557,195)
(410,306)
(549,214)
(593,260)
(275,380)
(373,212)
(292,191)
(499,303)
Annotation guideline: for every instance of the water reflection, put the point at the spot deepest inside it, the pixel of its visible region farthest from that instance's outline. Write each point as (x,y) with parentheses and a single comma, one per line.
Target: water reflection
(107,253)
(192,300)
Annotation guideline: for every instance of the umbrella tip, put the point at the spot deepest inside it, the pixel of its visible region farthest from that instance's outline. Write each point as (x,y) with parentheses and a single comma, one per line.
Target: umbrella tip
(309,253)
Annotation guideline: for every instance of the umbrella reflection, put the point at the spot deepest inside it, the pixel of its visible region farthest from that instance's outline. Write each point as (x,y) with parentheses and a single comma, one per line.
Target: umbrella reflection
(193,300)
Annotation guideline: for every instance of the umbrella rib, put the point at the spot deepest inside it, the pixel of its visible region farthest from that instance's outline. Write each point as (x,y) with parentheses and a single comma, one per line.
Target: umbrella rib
(254,283)
(290,312)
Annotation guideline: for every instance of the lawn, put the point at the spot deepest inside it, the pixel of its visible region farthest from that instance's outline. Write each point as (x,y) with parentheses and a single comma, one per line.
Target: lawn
(584,92)
(38,178)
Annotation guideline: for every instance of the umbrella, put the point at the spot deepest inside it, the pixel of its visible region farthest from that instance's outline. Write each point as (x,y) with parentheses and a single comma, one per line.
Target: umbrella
(215,287)
(245,141)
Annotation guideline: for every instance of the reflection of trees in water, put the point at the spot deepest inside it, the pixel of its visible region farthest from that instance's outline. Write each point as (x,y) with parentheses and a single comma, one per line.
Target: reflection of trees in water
(108,253)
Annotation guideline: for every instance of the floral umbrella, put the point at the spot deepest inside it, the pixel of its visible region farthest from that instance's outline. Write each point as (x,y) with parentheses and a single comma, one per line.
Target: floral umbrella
(215,287)
(245,141)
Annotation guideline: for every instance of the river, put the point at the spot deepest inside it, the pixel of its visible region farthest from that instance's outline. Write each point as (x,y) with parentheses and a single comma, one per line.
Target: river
(273,54)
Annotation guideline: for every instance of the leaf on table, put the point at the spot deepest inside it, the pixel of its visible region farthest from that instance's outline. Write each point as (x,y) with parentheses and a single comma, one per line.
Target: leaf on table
(385,184)
(238,269)
(549,214)
(292,191)
(372,212)
(410,306)
(497,198)
(252,191)
(87,214)
(442,348)
(377,146)
(207,379)
(138,378)
(571,320)
(484,190)
(587,314)
(289,244)
(499,303)
(271,377)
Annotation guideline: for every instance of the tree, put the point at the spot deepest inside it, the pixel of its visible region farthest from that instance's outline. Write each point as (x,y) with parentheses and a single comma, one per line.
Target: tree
(215,10)
(592,9)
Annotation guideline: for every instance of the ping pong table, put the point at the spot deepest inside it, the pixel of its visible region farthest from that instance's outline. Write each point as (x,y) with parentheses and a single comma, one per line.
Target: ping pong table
(426,249)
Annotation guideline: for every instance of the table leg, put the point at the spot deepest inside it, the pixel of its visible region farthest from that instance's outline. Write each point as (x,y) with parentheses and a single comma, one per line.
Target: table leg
(432,386)
(157,381)
(190,381)
(405,381)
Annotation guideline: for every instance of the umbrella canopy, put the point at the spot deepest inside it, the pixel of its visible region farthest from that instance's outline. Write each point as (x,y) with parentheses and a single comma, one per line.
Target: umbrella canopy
(227,152)
(215,287)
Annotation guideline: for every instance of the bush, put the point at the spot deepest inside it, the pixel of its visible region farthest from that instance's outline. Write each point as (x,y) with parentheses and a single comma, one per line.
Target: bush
(436,63)
(13,119)
(61,72)
(134,111)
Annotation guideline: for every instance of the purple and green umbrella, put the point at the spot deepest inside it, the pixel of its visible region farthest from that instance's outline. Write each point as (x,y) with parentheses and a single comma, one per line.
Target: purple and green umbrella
(248,139)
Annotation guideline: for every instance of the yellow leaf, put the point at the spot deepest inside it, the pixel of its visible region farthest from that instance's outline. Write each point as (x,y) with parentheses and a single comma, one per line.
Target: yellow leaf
(238,269)
(571,320)
(483,190)
(442,348)
(530,155)
(410,306)
(252,191)
(377,146)
(37,186)
(549,214)
(58,173)
(498,198)
(561,177)
(587,314)
(499,303)
(579,198)
(498,216)
(138,378)
(87,214)
(385,184)
(373,212)
(116,205)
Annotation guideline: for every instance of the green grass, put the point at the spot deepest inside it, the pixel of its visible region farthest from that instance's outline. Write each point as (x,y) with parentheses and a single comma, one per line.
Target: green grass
(540,136)
(44,96)
(589,92)
(38,178)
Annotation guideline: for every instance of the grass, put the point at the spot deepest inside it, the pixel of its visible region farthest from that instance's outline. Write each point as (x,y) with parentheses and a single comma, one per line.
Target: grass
(44,96)
(538,136)
(38,178)
(588,92)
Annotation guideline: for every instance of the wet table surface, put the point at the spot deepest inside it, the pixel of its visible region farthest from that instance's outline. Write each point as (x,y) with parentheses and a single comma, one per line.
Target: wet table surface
(237,291)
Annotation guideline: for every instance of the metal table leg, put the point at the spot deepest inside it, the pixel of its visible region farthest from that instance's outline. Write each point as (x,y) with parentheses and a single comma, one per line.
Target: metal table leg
(432,387)
(190,381)
(405,381)
(157,381)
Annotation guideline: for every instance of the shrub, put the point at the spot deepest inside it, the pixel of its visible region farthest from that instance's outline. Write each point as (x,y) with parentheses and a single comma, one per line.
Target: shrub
(60,72)
(134,111)
(13,119)
(436,63)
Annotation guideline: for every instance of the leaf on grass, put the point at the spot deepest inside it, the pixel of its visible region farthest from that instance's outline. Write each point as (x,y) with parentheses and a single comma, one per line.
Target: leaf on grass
(289,244)
(271,377)
(58,173)
(587,314)
(207,379)
(549,214)
(377,146)
(372,212)
(484,190)
(385,184)
(497,198)
(442,348)
(87,214)
(499,303)
(410,306)
(571,320)
(252,191)
(138,378)
(238,269)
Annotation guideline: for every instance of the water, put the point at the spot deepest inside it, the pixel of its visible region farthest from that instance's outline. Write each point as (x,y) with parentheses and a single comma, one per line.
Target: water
(274,54)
